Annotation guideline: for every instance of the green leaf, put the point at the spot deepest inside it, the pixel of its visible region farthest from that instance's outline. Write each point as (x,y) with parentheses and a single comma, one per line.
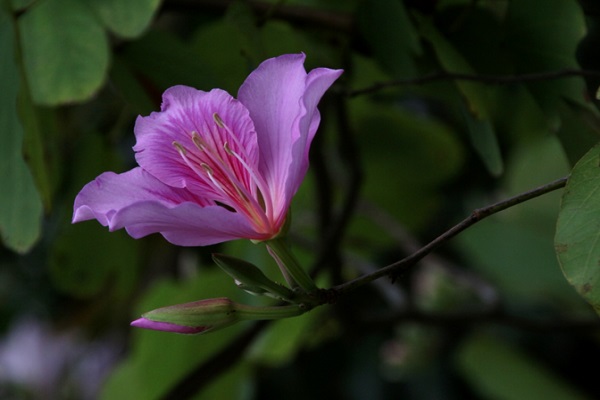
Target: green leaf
(286,337)
(20,204)
(545,39)
(130,88)
(421,154)
(579,129)
(159,359)
(477,97)
(518,259)
(241,17)
(166,61)
(19,5)
(578,228)
(484,141)
(65,51)
(475,94)
(391,35)
(499,371)
(127,19)
(514,249)
(87,260)
(38,124)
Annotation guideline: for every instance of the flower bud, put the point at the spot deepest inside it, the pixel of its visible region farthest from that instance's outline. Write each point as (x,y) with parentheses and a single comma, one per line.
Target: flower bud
(189,318)
(210,314)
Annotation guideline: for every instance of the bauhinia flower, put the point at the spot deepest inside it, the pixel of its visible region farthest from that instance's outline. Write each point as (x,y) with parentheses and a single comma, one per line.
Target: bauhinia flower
(213,168)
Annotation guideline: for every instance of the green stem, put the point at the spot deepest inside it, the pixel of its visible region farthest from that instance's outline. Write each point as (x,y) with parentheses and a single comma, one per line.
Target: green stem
(288,264)
(246,312)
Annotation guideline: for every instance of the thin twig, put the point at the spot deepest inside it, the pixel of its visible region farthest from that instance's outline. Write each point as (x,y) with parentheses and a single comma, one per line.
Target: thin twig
(486,79)
(476,216)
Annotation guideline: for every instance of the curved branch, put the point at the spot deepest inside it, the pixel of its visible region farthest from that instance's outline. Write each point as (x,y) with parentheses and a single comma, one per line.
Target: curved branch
(476,216)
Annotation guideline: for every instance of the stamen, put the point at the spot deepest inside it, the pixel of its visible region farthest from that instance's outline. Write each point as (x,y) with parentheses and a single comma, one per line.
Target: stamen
(218,120)
(211,167)
(200,144)
(260,183)
(207,168)
(266,205)
(179,148)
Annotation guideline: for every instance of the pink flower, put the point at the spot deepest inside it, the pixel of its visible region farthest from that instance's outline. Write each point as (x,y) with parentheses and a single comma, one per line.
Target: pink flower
(213,168)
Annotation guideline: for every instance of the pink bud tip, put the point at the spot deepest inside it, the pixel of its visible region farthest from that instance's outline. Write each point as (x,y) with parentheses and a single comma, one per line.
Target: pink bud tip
(168,327)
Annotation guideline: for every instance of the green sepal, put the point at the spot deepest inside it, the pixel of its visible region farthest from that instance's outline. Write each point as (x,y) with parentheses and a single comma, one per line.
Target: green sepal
(251,279)
(214,313)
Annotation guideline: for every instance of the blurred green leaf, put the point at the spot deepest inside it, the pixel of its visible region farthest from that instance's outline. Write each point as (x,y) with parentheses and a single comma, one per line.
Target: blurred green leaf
(36,148)
(485,142)
(229,65)
(579,129)
(86,260)
(285,338)
(514,249)
(18,5)
(409,157)
(545,39)
(163,60)
(499,371)
(517,114)
(65,51)
(20,204)
(131,88)
(241,17)
(159,359)
(476,95)
(390,34)
(530,164)
(226,63)
(518,260)
(280,38)
(478,99)
(578,228)
(125,18)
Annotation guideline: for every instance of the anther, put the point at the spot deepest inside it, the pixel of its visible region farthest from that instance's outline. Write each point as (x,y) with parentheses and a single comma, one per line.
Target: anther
(200,144)
(179,148)
(206,168)
(227,148)
(218,120)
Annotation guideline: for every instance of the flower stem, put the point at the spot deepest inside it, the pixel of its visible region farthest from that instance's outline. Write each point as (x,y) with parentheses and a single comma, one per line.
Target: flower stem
(289,265)
(246,312)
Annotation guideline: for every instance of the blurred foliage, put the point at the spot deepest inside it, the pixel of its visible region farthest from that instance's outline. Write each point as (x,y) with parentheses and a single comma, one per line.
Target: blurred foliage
(445,106)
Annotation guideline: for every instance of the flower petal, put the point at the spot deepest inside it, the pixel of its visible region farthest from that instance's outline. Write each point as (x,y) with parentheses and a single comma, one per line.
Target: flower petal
(167,327)
(273,94)
(317,83)
(186,111)
(137,201)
